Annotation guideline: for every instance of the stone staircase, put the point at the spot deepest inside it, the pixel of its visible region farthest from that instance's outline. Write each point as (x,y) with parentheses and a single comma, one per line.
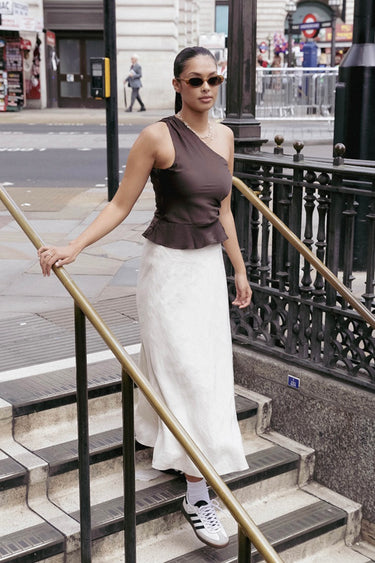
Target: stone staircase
(39,478)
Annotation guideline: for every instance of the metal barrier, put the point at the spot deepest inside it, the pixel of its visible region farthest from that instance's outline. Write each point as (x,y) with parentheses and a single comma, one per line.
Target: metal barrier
(290,93)
(294,315)
(248,532)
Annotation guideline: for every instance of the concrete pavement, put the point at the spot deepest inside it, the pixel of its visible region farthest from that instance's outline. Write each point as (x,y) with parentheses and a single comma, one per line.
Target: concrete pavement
(108,268)
(309,130)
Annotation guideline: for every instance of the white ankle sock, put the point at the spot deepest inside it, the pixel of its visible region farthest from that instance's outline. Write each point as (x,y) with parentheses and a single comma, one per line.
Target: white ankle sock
(196,491)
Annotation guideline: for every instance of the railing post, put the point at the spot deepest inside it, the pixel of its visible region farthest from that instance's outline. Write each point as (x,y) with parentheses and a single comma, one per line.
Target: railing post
(129,468)
(83,434)
(281,206)
(244,547)
(294,257)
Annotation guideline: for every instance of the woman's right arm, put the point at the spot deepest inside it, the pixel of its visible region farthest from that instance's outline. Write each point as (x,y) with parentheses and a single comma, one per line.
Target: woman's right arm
(140,162)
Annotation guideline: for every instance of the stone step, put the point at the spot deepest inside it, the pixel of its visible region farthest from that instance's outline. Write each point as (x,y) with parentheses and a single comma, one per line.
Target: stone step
(283,532)
(12,474)
(58,465)
(37,393)
(298,524)
(106,445)
(155,502)
(31,544)
(164,498)
(337,554)
(39,427)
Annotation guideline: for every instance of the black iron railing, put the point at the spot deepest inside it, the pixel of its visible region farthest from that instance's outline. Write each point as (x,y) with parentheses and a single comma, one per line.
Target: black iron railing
(295,314)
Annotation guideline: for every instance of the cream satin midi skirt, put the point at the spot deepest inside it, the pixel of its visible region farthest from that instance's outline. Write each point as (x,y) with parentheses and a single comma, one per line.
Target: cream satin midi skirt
(186,355)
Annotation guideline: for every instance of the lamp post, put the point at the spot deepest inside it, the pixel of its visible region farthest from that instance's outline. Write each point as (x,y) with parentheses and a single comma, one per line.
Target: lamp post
(334,5)
(290,8)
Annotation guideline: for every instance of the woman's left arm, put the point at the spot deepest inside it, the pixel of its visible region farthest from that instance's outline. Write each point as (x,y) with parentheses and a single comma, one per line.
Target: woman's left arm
(243,290)
(243,295)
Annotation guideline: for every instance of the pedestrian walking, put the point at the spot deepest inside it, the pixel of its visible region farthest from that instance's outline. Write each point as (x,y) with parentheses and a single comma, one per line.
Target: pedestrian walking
(134,81)
(182,294)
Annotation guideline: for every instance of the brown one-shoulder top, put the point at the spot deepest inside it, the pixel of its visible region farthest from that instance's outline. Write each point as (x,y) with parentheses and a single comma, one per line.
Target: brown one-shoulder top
(189,193)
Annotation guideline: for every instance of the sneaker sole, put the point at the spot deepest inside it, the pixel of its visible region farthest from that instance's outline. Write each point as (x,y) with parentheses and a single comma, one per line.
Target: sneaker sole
(207,542)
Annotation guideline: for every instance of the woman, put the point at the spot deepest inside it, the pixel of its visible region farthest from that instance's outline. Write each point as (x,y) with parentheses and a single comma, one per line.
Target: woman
(182,295)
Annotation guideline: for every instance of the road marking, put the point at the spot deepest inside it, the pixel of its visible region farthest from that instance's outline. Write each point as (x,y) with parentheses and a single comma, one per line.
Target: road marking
(49,367)
(20,149)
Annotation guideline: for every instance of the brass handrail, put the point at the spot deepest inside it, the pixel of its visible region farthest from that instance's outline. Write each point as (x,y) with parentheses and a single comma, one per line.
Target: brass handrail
(302,249)
(245,522)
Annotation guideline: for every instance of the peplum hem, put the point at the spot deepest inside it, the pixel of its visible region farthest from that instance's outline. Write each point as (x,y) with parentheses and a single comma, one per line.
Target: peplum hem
(184,236)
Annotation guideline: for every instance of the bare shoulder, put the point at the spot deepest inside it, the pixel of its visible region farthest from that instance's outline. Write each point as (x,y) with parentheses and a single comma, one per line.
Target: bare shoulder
(156,141)
(155,132)
(225,131)
(150,140)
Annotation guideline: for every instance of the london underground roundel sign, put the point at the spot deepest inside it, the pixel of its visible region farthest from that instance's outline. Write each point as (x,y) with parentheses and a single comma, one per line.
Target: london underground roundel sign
(310,26)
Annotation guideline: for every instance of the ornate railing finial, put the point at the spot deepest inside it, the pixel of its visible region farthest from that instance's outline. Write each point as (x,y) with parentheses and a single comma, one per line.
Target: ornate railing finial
(338,154)
(298,146)
(279,139)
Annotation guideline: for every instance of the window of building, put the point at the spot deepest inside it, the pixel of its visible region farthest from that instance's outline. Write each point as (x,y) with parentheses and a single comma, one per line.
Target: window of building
(221,17)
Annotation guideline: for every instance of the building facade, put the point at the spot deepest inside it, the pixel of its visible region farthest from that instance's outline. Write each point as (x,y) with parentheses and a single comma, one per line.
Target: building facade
(71,32)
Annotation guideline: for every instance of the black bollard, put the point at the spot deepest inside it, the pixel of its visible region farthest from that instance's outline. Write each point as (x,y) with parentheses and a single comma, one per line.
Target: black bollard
(355,93)
(355,108)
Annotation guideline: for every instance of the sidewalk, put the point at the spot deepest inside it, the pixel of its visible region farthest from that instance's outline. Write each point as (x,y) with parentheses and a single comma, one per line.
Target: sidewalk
(79,116)
(306,130)
(105,270)
(108,269)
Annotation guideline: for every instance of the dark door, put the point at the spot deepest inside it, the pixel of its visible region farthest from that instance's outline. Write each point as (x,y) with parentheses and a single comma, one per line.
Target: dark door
(74,51)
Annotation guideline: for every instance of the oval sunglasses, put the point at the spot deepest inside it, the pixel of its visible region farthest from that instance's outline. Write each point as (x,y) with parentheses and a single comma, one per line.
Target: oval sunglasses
(196,82)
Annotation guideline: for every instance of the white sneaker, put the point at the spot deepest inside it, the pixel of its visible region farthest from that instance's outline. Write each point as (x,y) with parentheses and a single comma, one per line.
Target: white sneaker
(203,519)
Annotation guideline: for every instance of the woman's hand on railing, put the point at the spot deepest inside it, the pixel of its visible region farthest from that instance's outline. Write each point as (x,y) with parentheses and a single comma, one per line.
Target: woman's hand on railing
(56,256)
(243,291)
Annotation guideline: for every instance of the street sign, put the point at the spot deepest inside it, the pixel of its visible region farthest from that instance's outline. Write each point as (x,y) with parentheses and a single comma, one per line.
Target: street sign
(310,32)
(297,27)
(309,25)
(326,23)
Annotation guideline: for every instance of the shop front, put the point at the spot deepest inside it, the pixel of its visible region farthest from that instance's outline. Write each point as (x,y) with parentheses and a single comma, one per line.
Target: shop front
(78,32)
(19,56)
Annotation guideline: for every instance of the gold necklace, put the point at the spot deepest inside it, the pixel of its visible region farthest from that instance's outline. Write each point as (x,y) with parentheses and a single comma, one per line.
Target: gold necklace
(210,133)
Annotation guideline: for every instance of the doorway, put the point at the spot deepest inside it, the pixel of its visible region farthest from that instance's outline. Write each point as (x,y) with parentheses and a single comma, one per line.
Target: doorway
(74,50)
